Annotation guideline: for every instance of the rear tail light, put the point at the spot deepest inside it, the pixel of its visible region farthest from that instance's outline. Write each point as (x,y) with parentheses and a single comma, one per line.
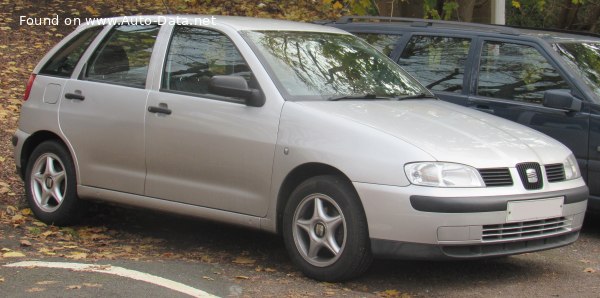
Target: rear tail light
(28,88)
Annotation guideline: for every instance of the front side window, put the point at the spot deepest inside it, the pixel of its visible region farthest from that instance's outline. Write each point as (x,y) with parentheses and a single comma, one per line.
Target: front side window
(123,57)
(64,61)
(322,66)
(516,72)
(196,55)
(385,43)
(584,58)
(438,62)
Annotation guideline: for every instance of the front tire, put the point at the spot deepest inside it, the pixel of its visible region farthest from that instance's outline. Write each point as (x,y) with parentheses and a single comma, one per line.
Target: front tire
(325,229)
(50,185)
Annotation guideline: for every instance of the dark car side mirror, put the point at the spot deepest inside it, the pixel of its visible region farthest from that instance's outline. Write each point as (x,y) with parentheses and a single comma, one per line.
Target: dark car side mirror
(563,100)
(236,86)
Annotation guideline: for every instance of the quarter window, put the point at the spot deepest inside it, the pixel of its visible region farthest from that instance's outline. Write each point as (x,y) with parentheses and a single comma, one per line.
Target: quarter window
(196,55)
(516,72)
(438,62)
(64,61)
(385,43)
(123,57)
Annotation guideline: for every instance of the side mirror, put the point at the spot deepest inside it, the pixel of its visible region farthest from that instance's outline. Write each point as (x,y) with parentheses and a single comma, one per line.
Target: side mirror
(563,100)
(236,86)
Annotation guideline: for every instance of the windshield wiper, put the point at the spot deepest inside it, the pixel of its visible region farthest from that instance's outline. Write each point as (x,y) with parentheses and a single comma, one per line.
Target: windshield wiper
(356,97)
(415,96)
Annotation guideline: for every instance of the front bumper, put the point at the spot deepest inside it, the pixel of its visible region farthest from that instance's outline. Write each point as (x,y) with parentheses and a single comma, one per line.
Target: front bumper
(433,223)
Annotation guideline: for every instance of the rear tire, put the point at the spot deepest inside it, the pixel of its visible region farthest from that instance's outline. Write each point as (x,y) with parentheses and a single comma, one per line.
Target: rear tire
(51,186)
(325,229)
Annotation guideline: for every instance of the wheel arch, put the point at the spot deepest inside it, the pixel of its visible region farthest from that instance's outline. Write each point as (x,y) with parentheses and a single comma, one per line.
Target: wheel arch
(299,175)
(35,140)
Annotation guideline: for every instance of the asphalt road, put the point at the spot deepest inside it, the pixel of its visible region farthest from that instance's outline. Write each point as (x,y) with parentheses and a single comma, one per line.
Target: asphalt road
(228,261)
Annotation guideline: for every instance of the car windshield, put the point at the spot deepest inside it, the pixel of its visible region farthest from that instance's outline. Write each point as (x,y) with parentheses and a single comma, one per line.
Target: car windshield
(585,59)
(329,66)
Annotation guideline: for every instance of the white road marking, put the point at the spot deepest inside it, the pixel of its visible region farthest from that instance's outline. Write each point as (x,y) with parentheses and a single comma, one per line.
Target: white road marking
(119,271)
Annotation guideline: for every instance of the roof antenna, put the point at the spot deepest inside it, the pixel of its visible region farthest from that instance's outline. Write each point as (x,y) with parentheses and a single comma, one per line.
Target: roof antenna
(167,7)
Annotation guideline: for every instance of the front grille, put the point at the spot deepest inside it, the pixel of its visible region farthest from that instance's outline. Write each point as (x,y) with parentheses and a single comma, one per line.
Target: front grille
(525,229)
(555,172)
(531,175)
(496,177)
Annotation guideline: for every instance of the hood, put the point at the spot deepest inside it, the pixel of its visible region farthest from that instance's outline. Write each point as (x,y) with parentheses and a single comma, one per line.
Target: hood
(450,132)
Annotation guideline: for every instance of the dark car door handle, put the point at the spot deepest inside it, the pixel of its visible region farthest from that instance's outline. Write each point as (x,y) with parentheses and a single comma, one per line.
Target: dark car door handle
(77,96)
(160,110)
(484,108)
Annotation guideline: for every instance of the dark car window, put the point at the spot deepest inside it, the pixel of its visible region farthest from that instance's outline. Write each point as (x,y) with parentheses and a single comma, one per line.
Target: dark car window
(64,61)
(196,55)
(385,43)
(438,62)
(123,57)
(516,72)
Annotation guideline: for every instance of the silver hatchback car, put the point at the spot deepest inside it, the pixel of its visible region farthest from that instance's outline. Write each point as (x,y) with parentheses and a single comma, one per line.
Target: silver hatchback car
(290,128)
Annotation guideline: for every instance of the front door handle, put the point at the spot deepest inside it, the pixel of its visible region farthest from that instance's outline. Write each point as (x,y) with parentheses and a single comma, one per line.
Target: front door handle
(77,96)
(484,108)
(161,109)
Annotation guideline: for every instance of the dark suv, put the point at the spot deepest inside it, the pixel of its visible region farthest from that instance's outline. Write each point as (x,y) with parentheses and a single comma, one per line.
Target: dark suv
(547,80)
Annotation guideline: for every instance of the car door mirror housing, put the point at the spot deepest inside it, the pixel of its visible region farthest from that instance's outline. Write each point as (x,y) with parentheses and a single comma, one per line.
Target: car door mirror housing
(562,99)
(236,86)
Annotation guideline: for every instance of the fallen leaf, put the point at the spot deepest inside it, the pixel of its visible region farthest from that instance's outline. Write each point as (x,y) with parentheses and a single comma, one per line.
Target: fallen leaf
(33,290)
(589,270)
(13,254)
(242,277)
(270,270)
(25,243)
(244,261)
(208,278)
(1,278)
(26,211)
(90,285)
(74,287)
(46,282)
(77,255)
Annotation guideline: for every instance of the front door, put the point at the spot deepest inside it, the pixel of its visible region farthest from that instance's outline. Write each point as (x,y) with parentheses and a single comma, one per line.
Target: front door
(511,81)
(201,148)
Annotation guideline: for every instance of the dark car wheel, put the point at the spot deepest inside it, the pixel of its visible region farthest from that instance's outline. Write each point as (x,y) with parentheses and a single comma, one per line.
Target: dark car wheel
(50,185)
(325,229)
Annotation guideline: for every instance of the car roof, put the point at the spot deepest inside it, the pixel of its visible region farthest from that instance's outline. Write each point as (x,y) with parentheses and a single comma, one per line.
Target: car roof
(390,24)
(234,22)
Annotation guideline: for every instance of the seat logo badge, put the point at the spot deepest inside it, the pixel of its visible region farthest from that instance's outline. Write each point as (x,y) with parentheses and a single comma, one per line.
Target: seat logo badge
(532,176)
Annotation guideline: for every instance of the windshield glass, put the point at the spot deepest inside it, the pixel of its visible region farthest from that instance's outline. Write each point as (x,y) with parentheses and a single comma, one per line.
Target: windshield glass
(322,66)
(585,59)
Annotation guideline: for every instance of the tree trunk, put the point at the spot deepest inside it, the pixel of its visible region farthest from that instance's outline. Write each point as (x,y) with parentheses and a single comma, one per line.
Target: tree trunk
(388,8)
(563,19)
(465,10)
(593,21)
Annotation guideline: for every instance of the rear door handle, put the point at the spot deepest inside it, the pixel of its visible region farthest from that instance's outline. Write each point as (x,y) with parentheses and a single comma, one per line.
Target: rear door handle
(77,96)
(161,109)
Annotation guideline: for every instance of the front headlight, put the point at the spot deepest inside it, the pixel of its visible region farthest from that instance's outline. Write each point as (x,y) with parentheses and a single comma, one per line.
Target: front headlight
(571,168)
(443,174)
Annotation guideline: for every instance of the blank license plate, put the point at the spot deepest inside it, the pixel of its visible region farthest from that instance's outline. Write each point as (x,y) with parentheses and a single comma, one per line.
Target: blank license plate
(534,209)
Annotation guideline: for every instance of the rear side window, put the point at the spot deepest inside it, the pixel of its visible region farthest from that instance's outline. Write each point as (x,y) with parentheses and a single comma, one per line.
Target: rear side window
(196,55)
(123,57)
(438,62)
(385,43)
(516,72)
(64,61)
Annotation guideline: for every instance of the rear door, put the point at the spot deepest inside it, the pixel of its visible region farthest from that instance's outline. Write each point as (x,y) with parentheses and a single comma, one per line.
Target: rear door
(510,79)
(102,112)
